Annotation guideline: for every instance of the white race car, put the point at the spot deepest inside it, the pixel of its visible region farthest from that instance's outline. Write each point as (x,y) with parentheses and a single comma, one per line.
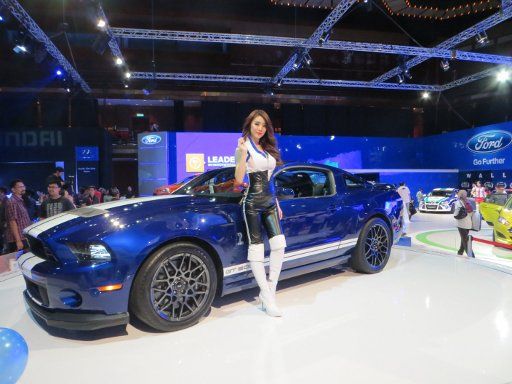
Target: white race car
(439,200)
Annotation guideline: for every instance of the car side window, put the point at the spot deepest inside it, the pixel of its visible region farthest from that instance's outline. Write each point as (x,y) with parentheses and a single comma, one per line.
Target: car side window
(353,182)
(305,182)
(221,183)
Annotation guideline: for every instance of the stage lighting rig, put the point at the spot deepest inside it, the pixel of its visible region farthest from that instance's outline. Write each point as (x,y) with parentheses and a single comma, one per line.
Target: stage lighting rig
(445,65)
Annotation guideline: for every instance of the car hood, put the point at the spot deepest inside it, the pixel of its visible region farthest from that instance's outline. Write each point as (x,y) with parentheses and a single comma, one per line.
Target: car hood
(110,211)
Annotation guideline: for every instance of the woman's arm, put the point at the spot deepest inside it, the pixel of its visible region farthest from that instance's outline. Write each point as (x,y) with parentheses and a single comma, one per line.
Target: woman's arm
(241,161)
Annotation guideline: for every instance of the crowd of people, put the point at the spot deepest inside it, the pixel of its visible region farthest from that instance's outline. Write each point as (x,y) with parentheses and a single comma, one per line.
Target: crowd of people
(20,207)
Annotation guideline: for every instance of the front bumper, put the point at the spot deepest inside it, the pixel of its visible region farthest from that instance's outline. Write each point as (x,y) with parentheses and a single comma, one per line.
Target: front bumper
(434,208)
(75,320)
(502,233)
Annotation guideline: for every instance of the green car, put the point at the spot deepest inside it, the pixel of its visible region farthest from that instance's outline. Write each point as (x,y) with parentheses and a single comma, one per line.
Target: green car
(492,206)
(502,231)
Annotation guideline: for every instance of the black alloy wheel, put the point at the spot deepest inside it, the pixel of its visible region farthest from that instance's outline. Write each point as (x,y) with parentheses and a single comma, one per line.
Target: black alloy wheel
(373,248)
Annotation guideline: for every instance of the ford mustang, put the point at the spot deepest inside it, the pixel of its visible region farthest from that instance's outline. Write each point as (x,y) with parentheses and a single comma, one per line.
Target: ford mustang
(163,259)
(439,200)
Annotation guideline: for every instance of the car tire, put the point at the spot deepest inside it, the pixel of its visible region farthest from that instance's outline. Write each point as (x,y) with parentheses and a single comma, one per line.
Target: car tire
(174,288)
(373,247)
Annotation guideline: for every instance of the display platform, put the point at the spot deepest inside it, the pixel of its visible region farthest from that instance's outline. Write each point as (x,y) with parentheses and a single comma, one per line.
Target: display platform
(429,317)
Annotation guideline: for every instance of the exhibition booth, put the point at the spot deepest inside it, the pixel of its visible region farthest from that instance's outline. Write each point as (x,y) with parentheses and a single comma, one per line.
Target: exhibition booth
(448,160)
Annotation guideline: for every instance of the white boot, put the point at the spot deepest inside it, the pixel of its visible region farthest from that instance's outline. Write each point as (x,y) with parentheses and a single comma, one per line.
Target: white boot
(256,256)
(277,246)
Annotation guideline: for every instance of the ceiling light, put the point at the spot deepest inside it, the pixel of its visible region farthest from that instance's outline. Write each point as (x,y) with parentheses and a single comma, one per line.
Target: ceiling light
(119,61)
(482,39)
(503,76)
(58,72)
(425,95)
(101,23)
(400,78)
(127,75)
(20,49)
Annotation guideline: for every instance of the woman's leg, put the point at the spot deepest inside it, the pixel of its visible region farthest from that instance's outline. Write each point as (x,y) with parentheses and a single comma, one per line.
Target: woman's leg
(277,245)
(463,240)
(256,255)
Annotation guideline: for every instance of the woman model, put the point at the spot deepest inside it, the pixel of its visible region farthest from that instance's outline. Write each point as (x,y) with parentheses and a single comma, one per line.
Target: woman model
(257,154)
(464,224)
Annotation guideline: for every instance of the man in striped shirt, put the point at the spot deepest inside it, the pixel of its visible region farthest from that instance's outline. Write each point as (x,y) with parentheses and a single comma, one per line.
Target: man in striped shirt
(17,218)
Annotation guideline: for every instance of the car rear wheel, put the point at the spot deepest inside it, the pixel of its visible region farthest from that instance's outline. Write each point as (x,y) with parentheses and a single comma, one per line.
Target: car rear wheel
(371,253)
(174,288)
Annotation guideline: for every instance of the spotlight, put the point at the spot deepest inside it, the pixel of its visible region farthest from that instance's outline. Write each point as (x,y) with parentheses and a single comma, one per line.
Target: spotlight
(58,72)
(279,82)
(127,75)
(425,95)
(126,85)
(400,78)
(20,49)
(407,74)
(503,76)
(308,59)
(101,24)
(119,61)
(295,66)
(445,65)
(481,39)
(325,36)
(101,43)
(68,90)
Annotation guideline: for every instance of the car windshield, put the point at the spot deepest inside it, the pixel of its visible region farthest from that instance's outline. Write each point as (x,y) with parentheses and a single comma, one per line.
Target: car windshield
(441,193)
(218,182)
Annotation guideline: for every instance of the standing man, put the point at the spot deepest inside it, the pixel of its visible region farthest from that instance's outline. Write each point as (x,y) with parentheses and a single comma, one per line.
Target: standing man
(405,194)
(499,197)
(17,218)
(3,202)
(55,176)
(55,203)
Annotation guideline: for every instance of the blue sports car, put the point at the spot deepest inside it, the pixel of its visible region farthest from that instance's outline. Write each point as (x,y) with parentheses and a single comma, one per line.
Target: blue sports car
(163,259)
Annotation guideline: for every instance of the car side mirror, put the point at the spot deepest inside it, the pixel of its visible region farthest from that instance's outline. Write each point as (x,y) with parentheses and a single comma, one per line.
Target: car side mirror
(285,193)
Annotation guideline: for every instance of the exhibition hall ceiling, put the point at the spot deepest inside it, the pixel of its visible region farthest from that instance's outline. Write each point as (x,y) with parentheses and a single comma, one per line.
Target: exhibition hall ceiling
(71,25)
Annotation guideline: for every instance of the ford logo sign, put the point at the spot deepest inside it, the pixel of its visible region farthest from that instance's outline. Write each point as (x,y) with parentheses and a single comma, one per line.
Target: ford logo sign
(489,141)
(151,139)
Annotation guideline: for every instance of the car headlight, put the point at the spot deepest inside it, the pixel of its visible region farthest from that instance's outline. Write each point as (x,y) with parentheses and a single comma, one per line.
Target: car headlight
(503,221)
(90,252)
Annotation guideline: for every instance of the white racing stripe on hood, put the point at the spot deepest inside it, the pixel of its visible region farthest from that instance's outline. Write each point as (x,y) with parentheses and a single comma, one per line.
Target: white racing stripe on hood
(36,229)
(44,225)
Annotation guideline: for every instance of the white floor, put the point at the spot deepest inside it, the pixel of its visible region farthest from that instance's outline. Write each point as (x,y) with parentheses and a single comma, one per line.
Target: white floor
(429,317)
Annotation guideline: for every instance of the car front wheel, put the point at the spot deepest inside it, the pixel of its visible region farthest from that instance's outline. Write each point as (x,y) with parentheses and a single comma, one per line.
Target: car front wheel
(174,288)
(371,253)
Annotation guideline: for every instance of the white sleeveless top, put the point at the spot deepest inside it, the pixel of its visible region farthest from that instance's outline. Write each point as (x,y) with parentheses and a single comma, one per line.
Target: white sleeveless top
(258,160)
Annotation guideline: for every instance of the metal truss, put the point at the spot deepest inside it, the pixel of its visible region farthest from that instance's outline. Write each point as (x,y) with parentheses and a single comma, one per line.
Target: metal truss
(468,79)
(323,29)
(504,14)
(113,45)
(263,80)
(38,34)
(227,38)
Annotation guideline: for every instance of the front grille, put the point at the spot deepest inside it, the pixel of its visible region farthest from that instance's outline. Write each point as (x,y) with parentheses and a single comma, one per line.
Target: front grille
(37,292)
(40,249)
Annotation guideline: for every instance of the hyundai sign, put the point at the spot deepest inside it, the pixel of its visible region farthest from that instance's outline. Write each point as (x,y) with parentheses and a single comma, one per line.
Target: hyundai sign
(489,141)
(151,139)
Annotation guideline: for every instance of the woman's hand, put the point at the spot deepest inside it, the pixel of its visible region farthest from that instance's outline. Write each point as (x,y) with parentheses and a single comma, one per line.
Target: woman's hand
(241,146)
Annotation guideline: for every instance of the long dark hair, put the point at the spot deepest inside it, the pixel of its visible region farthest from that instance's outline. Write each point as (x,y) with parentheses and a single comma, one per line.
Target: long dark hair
(268,141)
